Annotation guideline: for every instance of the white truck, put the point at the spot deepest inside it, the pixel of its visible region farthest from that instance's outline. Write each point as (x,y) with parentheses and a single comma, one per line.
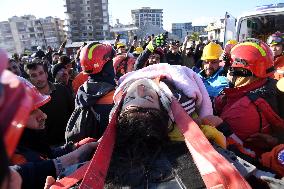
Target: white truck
(261,23)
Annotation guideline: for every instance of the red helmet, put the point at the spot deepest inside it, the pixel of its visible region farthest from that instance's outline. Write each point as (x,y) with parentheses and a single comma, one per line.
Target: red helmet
(255,56)
(123,64)
(3,60)
(18,99)
(94,56)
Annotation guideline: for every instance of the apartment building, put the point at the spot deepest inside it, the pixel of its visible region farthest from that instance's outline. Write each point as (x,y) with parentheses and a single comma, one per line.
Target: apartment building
(146,15)
(87,20)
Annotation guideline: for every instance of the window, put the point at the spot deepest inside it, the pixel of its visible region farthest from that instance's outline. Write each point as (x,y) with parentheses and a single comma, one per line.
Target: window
(32,35)
(31,30)
(90,34)
(90,21)
(89,15)
(88,8)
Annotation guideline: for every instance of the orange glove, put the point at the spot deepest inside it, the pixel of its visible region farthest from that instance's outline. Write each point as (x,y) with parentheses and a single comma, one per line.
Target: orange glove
(212,133)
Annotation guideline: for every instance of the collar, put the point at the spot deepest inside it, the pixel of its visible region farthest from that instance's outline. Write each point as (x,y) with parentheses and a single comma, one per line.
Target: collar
(241,91)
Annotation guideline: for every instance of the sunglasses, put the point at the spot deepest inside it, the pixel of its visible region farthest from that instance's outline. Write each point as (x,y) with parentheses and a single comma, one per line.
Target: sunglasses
(274,40)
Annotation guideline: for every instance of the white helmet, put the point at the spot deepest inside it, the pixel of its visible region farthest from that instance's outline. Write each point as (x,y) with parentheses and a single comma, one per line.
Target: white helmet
(38,47)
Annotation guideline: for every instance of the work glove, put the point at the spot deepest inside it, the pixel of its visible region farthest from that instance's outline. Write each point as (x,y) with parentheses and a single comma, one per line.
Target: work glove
(212,133)
(158,41)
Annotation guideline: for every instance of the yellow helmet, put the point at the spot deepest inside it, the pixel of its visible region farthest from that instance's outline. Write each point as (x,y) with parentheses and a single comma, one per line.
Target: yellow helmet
(138,50)
(212,51)
(119,44)
(231,42)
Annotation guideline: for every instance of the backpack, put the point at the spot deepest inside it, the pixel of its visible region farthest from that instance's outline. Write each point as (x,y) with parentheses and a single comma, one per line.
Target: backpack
(84,122)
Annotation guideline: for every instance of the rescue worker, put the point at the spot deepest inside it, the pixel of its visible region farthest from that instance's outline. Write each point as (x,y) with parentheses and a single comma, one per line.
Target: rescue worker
(123,64)
(212,73)
(276,44)
(153,53)
(94,98)
(250,110)
(120,48)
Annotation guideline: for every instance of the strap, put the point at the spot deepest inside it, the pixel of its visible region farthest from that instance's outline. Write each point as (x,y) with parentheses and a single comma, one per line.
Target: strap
(106,99)
(94,172)
(97,170)
(214,169)
(72,179)
(276,122)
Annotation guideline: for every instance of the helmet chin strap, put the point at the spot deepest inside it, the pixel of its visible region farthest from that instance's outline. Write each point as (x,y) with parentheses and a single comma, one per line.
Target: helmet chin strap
(239,73)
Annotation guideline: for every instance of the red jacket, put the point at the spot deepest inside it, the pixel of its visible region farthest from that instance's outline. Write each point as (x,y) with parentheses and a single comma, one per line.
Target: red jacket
(279,68)
(236,109)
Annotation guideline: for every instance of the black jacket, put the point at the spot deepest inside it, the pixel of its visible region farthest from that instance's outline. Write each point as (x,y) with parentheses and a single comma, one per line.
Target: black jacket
(58,111)
(90,119)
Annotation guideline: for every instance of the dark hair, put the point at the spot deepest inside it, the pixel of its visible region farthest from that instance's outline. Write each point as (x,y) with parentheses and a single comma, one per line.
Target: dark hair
(142,124)
(34,64)
(64,59)
(55,53)
(141,135)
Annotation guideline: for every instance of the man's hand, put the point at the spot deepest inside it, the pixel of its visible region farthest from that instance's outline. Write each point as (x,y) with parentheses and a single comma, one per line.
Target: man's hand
(262,141)
(84,141)
(211,120)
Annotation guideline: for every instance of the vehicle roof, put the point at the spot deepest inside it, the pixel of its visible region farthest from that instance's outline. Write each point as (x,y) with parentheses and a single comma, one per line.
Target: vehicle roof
(262,12)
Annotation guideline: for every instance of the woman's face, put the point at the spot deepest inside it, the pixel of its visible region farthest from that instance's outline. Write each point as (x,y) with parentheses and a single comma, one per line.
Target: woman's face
(141,94)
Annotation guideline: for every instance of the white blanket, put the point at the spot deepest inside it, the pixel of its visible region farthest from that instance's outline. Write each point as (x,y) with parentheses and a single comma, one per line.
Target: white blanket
(182,77)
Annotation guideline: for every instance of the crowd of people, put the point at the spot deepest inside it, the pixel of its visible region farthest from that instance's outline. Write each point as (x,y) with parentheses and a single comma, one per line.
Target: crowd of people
(161,114)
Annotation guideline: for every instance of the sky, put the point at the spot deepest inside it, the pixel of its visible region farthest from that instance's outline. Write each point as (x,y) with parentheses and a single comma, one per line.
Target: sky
(199,12)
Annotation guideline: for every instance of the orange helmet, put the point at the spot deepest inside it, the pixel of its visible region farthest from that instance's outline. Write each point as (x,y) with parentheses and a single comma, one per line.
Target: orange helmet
(123,64)
(94,56)
(253,55)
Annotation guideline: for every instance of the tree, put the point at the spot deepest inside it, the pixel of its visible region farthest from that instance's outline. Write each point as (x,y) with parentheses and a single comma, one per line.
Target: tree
(194,36)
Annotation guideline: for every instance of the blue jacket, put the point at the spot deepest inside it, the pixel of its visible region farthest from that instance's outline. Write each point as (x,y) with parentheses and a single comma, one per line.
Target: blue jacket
(216,83)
